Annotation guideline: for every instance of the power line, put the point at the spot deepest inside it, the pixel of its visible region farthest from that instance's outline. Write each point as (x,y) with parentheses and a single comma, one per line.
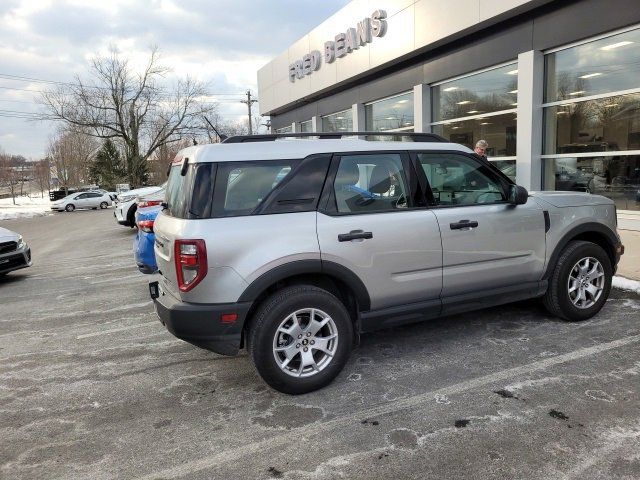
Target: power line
(20,78)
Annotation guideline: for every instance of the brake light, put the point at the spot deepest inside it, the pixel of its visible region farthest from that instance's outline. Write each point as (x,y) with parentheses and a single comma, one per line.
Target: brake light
(190,257)
(146,226)
(149,203)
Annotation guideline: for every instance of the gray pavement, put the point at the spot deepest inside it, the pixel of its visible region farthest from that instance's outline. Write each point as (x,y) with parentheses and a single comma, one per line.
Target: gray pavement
(92,386)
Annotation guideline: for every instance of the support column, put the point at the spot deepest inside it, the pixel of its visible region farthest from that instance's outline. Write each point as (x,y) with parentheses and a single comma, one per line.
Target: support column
(295,127)
(357,113)
(316,124)
(422,108)
(529,124)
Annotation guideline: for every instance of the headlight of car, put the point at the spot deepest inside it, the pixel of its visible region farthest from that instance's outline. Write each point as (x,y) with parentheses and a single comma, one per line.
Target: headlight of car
(20,242)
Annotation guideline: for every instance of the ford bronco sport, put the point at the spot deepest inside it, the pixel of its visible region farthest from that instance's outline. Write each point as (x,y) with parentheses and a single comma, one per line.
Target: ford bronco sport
(294,248)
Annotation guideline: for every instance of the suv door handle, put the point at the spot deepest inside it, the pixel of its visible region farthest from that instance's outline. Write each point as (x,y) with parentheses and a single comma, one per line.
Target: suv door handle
(354,235)
(463,224)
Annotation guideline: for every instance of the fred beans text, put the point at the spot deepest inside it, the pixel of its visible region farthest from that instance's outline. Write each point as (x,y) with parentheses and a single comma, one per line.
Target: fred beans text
(342,45)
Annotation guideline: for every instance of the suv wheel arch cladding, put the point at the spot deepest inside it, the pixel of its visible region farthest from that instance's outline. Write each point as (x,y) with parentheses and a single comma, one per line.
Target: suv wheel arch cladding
(302,271)
(593,232)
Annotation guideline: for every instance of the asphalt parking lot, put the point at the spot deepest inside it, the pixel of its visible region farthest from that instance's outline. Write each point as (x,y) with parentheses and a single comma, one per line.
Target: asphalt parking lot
(92,386)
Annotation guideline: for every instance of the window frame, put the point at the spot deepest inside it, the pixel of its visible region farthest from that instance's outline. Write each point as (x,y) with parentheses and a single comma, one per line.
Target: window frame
(492,172)
(415,194)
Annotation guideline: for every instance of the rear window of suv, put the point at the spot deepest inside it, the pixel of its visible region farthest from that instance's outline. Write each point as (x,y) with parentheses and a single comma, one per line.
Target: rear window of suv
(231,189)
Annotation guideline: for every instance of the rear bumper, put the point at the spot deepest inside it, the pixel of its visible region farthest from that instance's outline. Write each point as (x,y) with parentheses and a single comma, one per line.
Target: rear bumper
(121,215)
(201,324)
(143,252)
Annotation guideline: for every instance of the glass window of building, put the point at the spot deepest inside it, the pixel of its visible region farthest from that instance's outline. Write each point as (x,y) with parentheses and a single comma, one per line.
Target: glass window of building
(306,127)
(601,66)
(338,122)
(287,129)
(480,106)
(592,121)
(390,114)
(486,92)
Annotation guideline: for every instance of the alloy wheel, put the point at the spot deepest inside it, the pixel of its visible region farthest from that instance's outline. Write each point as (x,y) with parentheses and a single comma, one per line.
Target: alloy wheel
(586,282)
(305,342)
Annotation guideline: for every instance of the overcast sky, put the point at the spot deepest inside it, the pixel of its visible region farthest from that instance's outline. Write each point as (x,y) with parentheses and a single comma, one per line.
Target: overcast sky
(222,42)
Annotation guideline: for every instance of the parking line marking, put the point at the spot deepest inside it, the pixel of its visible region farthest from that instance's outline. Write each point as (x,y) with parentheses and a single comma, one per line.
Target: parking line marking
(115,330)
(233,454)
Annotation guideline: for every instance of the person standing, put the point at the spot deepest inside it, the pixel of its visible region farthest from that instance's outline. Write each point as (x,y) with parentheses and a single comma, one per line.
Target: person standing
(481,149)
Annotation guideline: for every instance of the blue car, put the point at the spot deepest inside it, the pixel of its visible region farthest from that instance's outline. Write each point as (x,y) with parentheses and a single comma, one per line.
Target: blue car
(143,241)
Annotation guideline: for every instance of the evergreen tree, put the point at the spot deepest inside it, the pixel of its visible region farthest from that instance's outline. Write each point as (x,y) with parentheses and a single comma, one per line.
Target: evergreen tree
(107,169)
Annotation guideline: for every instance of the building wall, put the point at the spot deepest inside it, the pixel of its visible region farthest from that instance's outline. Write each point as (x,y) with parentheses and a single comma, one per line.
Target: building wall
(546,27)
(413,25)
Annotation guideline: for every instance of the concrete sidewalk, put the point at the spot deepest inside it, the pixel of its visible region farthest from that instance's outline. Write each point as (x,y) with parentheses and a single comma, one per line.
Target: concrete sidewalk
(630,263)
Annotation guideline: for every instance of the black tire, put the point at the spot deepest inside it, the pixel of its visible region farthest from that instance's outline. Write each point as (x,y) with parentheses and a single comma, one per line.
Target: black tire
(70,207)
(266,321)
(104,205)
(131,216)
(557,300)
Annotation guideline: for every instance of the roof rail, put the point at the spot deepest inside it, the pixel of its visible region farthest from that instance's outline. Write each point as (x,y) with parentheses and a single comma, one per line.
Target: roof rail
(270,137)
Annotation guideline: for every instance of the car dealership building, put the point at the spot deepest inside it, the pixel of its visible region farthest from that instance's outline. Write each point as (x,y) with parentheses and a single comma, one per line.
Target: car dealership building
(553,86)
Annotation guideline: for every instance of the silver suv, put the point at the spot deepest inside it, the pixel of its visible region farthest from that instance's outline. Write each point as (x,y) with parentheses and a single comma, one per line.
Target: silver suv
(294,248)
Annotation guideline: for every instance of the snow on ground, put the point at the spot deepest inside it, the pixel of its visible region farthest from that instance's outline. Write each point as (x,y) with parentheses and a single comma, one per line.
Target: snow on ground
(626,284)
(25,206)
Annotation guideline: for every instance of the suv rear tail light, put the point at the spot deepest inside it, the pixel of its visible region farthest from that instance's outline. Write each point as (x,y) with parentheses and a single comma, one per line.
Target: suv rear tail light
(146,226)
(149,203)
(191,263)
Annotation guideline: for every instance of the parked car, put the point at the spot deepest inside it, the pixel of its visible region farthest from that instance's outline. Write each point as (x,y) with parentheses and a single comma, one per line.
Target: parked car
(14,252)
(360,236)
(112,195)
(92,200)
(147,210)
(60,193)
(126,204)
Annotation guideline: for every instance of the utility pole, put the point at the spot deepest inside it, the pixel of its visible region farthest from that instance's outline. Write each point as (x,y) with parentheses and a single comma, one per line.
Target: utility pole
(249,101)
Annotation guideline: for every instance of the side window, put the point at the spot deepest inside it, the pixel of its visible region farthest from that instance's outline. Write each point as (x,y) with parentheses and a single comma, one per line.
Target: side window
(242,186)
(370,183)
(460,180)
(81,196)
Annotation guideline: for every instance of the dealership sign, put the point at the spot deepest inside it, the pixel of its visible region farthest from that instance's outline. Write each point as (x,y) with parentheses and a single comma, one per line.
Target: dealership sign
(342,45)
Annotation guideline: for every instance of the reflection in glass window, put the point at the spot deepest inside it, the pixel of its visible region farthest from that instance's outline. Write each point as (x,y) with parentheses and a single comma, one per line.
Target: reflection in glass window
(616,177)
(458,180)
(370,183)
(607,124)
(484,92)
(498,130)
(607,65)
(508,167)
(337,122)
(288,129)
(305,127)
(394,113)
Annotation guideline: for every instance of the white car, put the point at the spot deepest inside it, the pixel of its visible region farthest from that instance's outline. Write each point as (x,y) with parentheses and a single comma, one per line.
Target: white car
(126,205)
(93,200)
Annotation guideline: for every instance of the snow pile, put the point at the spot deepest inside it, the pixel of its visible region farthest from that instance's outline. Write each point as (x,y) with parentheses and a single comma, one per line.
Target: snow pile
(25,207)
(626,284)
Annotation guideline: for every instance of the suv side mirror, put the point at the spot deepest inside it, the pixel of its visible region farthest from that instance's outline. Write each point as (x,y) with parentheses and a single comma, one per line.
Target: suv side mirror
(518,195)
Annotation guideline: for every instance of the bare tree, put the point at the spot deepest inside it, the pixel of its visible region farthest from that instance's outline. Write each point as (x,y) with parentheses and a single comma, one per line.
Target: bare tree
(42,172)
(71,151)
(10,175)
(139,109)
(159,163)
